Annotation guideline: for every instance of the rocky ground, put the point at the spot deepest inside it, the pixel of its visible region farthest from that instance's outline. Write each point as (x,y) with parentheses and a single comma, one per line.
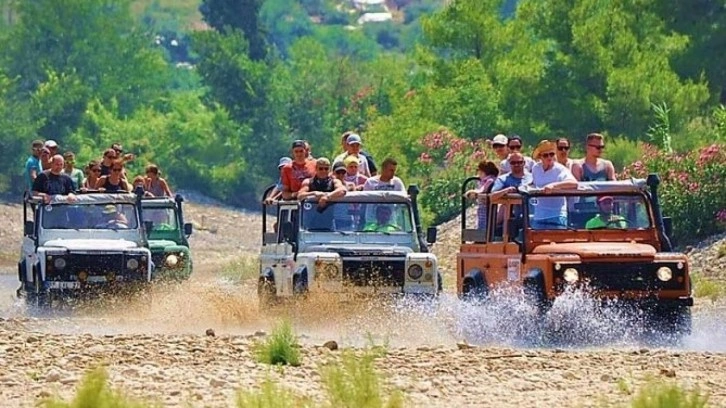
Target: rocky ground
(155,346)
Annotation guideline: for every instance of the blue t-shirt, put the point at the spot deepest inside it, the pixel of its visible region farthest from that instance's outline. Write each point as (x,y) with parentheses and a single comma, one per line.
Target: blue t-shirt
(510,180)
(30,164)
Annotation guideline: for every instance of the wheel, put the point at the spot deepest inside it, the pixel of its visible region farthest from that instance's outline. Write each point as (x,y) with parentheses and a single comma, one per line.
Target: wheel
(672,321)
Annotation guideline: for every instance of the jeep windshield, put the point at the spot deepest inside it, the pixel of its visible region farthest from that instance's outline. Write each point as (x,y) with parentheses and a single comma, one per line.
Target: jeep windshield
(164,222)
(602,211)
(89,216)
(363,217)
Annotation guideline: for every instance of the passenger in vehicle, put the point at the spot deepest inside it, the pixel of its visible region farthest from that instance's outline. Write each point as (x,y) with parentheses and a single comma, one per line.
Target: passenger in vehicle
(140,182)
(322,185)
(155,184)
(109,156)
(510,182)
(592,167)
(71,171)
(605,218)
(499,145)
(52,182)
(352,148)
(369,158)
(487,172)
(353,174)
(563,153)
(294,173)
(93,173)
(340,172)
(515,145)
(45,159)
(32,164)
(387,180)
(382,222)
(52,147)
(113,183)
(549,175)
(113,218)
(276,192)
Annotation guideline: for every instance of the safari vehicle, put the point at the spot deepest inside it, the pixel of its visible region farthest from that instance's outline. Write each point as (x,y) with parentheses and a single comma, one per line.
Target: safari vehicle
(348,246)
(168,235)
(612,240)
(95,242)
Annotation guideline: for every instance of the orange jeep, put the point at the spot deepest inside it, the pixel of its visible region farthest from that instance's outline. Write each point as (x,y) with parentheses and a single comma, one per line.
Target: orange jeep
(608,237)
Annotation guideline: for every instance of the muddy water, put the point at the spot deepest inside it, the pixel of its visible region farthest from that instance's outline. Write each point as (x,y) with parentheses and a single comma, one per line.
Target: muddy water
(207,302)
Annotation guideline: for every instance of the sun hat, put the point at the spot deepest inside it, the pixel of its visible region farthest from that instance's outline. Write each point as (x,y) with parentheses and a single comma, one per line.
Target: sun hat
(544,146)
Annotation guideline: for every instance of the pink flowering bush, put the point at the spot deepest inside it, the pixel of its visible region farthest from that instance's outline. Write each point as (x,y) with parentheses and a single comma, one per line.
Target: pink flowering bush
(693,188)
(445,160)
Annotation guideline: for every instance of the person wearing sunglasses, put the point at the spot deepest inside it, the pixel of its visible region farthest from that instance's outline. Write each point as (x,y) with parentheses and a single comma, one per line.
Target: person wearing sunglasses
(93,173)
(114,182)
(549,175)
(514,145)
(563,153)
(32,165)
(293,174)
(593,167)
(322,185)
(71,171)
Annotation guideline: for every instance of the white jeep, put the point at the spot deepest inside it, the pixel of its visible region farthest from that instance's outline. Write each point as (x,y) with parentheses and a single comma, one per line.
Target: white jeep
(365,242)
(70,247)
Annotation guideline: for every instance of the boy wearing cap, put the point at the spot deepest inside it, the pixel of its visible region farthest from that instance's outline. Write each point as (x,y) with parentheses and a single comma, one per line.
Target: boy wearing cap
(371,162)
(352,174)
(276,192)
(352,146)
(606,218)
(294,173)
(32,165)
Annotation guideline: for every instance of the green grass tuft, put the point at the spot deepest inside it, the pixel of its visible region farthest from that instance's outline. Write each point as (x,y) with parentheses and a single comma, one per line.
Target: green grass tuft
(94,392)
(708,288)
(241,269)
(355,383)
(280,348)
(271,395)
(656,394)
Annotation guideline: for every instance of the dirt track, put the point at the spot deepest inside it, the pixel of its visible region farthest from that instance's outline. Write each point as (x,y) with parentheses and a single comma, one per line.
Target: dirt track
(158,349)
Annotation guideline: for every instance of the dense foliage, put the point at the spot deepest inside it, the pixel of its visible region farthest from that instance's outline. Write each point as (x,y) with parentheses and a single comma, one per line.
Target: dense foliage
(215,99)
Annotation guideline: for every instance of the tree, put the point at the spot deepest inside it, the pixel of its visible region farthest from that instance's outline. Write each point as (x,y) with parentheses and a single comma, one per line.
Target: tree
(230,15)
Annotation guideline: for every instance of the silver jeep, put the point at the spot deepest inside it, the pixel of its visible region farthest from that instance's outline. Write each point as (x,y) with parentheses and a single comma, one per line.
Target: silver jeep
(70,247)
(365,242)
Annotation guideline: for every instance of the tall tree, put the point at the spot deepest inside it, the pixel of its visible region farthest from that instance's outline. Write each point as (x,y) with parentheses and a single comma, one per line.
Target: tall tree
(243,15)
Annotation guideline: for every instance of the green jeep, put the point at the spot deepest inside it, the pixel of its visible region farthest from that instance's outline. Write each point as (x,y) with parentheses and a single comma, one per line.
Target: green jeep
(168,237)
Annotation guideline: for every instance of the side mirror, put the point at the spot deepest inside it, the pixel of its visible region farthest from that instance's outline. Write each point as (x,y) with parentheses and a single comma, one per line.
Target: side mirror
(286,230)
(431,234)
(188,229)
(29,228)
(148,226)
(668,227)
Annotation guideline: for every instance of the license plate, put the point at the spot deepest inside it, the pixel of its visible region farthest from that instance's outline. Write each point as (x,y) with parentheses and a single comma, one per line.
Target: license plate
(64,285)
(96,279)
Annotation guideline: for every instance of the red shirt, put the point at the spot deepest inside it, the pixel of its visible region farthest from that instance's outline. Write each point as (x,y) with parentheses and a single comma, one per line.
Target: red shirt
(293,174)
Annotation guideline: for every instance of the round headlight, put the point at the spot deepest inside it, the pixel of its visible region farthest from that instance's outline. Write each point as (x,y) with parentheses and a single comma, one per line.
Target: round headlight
(59,263)
(571,275)
(172,260)
(415,272)
(330,271)
(665,273)
(132,263)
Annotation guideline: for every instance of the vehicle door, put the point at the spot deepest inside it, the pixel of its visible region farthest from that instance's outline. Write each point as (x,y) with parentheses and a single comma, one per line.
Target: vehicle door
(278,250)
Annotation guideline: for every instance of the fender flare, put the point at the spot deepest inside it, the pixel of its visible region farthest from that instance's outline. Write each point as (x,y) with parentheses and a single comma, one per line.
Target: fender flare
(475,284)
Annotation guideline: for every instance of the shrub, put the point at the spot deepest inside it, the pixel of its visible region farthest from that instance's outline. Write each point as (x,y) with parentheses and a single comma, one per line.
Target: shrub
(240,269)
(665,395)
(355,383)
(280,348)
(94,392)
(706,288)
(692,190)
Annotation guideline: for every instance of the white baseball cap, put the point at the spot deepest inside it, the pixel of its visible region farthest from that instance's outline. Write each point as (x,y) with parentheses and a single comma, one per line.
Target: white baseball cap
(50,144)
(500,139)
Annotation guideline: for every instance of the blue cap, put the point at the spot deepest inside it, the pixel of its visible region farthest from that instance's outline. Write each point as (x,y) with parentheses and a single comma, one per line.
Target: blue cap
(353,139)
(283,161)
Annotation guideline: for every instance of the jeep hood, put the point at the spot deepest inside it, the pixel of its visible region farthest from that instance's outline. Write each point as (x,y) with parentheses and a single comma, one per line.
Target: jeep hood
(361,250)
(91,244)
(161,244)
(590,250)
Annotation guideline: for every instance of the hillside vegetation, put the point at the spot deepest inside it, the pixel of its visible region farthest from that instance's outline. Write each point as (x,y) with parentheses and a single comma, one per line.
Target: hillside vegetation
(207,89)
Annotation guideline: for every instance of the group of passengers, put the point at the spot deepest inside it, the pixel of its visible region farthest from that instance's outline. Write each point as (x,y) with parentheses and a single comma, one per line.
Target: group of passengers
(549,169)
(48,172)
(304,176)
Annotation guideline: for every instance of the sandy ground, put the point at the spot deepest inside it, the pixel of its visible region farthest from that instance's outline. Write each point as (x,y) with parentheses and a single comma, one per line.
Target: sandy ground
(154,345)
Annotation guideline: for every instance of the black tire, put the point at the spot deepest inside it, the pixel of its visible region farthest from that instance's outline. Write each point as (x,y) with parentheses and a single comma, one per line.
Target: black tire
(471,292)
(672,321)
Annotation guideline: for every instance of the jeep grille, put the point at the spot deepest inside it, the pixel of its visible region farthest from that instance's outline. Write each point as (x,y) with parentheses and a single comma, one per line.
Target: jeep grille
(641,276)
(94,265)
(374,272)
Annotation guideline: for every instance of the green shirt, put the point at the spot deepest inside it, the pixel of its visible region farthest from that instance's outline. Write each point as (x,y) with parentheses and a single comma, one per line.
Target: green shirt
(615,221)
(374,227)
(76,176)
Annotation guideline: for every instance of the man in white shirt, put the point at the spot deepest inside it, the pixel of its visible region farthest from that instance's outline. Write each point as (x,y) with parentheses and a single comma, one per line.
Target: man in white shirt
(387,180)
(549,175)
(352,147)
